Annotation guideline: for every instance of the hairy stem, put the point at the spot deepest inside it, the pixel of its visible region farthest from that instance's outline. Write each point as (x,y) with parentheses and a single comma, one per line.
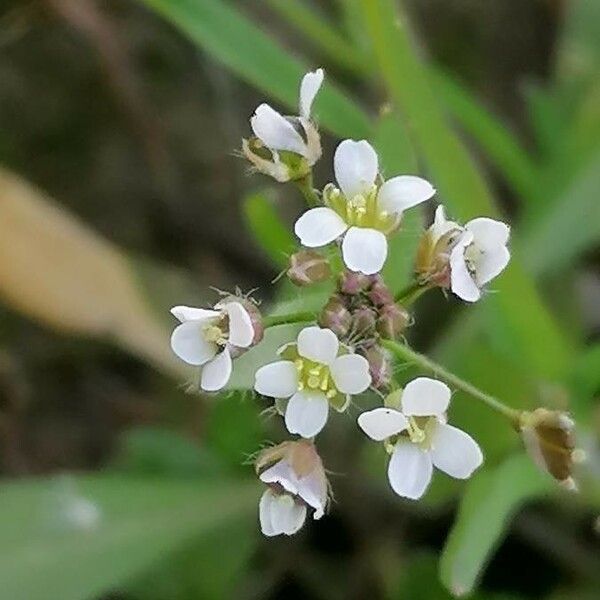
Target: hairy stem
(297,317)
(405,353)
(305,185)
(411,292)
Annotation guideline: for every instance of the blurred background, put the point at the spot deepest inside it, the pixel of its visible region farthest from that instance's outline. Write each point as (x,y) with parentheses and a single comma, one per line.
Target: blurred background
(122,193)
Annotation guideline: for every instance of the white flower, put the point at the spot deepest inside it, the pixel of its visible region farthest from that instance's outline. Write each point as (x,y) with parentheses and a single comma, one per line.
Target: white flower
(418,438)
(297,481)
(278,133)
(360,210)
(479,255)
(207,338)
(313,376)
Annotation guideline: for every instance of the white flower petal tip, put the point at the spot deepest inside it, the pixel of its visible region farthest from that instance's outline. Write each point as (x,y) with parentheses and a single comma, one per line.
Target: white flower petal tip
(189,344)
(455,452)
(410,470)
(356,166)
(318,344)
(241,331)
(277,380)
(309,87)
(381,423)
(319,226)
(275,131)
(280,514)
(350,374)
(216,373)
(403,192)
(188,313)
(364,250)
(461,280)
(306,413)
(424,397)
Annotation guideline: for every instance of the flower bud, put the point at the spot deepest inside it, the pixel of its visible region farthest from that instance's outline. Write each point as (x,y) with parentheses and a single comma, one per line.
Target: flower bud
(364,320)
(380,366)
(380,294)
(548,436)
(354,283)
(308,267)
(335,316)
(393,320)
(281,166)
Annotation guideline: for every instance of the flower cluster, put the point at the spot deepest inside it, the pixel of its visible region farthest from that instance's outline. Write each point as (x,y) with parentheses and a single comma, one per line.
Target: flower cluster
(343,351)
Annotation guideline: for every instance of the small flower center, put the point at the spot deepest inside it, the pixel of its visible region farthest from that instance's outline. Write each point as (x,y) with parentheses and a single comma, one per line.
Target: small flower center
(362,210)
(215,334)
(415,433)
(314,376)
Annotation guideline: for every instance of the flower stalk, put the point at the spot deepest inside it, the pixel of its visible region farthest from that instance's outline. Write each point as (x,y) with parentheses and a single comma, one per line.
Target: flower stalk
(296,317)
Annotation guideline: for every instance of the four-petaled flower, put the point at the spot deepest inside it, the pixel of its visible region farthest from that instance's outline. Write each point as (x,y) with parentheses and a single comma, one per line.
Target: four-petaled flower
(315,373)
(207,338)
(418,438)
(286,147)
(297,481)
(363,211)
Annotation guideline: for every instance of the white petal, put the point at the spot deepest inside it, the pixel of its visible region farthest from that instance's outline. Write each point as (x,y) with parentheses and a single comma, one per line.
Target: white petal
(455,452)
(188,313)
(287,516)
(364,250)
(241,331)
(275,131)
(350,373)
(306,413)
(264,513)
(188,342)
(313,490)
(399,193)
(381,423)
(319,226)
(311,83)
(491,263)
(461,281)
(277,380)
(320,345)
(488,233)
(441,226)
(216,373)
(424,397)
(356,166)
(282,473)
(409,470)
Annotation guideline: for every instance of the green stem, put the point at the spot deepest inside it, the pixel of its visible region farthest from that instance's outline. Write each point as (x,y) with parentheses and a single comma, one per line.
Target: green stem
(305,185)
(403,352)
(297,317)
(411,292)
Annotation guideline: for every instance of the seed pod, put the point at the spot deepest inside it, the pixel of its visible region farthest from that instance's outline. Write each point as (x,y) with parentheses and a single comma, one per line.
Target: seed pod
(548,436)
(393,320)
(308,267)
(336,316)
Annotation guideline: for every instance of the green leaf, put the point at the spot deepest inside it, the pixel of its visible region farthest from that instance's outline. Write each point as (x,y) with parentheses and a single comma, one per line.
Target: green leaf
(492,497)
(226,34)
(53,548)
(268,229)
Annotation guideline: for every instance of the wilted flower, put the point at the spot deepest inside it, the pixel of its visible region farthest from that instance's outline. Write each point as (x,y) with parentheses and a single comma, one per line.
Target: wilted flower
(207,338)
(362,212)
(286,147)
(308,267)
(297,481)
(549,437)
(418,438)
(313,375)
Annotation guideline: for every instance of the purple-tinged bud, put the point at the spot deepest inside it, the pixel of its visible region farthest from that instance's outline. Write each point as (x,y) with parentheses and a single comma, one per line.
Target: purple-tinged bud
(354,283)
(308,267)
(393,320)
(364,321)
(380,366)
(336,316)
(380,294)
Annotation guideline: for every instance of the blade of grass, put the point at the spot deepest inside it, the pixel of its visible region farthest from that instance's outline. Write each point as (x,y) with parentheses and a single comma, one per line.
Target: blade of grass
(231,38)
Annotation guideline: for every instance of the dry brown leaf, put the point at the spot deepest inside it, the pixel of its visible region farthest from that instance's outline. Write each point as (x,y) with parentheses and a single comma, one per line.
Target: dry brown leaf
(57,271)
